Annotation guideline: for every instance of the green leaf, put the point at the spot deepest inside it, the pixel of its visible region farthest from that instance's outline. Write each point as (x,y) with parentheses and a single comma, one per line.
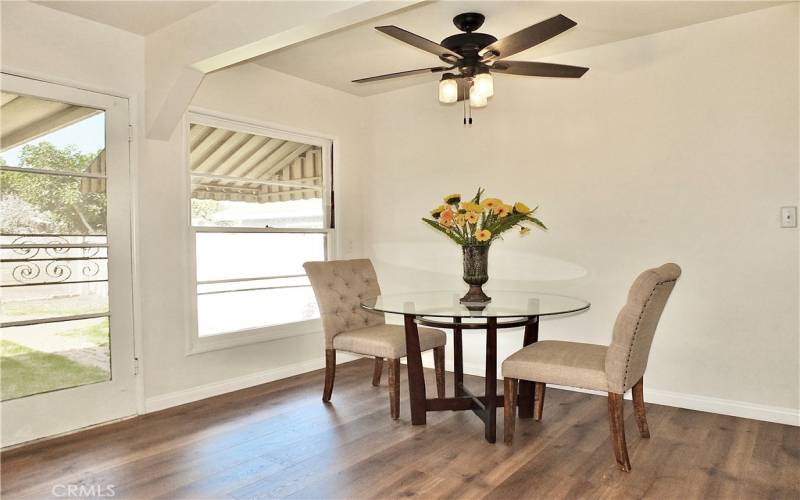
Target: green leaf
(536,221)
(450,234)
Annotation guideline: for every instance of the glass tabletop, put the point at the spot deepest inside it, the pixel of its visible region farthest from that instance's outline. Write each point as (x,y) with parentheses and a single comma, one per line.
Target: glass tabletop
(507,304)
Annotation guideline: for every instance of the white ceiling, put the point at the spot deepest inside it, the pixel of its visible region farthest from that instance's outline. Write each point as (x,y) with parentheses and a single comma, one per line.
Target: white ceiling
(360,51)
(140,17)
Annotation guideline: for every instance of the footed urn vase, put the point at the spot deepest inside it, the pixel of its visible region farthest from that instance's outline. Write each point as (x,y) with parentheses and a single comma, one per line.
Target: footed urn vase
(476,264)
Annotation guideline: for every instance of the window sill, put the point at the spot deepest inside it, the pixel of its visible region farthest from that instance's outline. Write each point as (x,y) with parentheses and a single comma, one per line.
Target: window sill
(240,338)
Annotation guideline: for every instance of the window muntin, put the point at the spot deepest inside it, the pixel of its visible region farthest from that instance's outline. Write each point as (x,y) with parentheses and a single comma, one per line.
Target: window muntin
(259,209)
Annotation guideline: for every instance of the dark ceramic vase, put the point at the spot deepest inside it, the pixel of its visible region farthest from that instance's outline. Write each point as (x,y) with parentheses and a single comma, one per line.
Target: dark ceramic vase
(476,267)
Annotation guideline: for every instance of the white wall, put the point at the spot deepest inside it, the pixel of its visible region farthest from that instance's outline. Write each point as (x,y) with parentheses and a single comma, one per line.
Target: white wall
(251,92)
(58,46)
(679,146)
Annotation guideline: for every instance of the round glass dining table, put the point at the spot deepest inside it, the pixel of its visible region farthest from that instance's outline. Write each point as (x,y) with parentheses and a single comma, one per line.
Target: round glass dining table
(507,309)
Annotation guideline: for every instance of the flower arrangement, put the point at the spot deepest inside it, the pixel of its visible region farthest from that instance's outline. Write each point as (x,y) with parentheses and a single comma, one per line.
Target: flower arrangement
(474,225)
(480,220)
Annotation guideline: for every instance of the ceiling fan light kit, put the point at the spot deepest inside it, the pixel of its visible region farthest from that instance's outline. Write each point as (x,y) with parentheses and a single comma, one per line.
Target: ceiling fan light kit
(448,89)
(476,55)
(476,98)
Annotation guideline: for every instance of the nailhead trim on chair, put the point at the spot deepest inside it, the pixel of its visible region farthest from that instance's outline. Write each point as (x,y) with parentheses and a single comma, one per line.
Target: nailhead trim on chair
(636,329)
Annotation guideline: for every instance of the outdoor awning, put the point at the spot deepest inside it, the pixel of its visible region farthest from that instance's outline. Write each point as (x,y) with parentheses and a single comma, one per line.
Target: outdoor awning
(225,164)
(238,166)
(26,118)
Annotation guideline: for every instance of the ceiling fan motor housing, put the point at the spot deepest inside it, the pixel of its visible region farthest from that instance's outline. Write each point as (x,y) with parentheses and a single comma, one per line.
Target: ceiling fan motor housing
(467,44)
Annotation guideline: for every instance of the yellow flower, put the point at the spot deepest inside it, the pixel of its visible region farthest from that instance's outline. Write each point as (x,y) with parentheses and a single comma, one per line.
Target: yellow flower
(524,231)
(436,212)
(483,235)
(521,208)
(460,220)
(452,199)
(491,203)
(470,206)
(472,217)
(502,210)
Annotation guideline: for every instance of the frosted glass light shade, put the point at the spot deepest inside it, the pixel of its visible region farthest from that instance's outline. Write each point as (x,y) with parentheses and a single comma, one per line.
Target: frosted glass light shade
(485,84)
(476,99)
(448,91)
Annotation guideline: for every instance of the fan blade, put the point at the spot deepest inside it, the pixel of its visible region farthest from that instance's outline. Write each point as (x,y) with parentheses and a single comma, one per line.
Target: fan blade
(402,73)
(527,38)
(538,69)
(418,42)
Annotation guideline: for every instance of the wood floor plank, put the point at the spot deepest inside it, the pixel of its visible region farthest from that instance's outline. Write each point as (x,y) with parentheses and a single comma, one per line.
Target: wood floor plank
(278,440)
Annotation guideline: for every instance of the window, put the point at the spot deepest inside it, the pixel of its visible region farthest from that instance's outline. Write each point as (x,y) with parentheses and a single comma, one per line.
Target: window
(260,208)
(54,309)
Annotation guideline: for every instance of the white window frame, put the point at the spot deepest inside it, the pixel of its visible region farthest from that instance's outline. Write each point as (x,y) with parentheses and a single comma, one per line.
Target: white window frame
(195,343)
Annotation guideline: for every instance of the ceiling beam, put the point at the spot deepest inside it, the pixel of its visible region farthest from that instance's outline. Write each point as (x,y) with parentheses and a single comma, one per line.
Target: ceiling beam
(360,11)
(226,33)
(171,108)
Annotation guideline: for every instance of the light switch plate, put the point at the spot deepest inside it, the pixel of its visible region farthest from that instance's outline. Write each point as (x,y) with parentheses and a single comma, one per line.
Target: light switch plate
(788,216)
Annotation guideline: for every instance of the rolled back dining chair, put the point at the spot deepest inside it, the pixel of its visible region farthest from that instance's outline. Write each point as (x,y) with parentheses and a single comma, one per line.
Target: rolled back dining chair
(340,287)
(613,369)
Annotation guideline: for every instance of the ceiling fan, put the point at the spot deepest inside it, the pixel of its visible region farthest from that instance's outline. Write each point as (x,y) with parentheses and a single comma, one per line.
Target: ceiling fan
(476,55)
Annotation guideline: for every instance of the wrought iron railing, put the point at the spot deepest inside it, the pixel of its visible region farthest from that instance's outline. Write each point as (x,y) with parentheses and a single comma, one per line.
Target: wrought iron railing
(44,260)
(48,259)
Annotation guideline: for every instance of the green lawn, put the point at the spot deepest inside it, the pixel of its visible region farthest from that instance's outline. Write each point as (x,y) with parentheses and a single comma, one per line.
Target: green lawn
(97,333)
(52,307)
(24,371)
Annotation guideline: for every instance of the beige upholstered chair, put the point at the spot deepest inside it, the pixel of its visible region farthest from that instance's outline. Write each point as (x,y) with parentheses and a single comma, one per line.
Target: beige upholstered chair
(340,286)
(613,369)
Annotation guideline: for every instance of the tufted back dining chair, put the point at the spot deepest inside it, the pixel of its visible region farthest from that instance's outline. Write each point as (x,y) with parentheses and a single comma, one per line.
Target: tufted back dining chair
(340,287)
(614,369)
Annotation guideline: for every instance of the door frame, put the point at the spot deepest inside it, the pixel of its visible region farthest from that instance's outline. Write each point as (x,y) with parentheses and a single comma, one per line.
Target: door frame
(134,314)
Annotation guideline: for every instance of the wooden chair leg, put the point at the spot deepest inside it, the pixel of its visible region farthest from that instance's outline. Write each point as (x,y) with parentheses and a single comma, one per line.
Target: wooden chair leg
(394,388)
(509,408)
(617,424)
(438,363)
(638,408)
(377,372)
(330,373)
(539,399)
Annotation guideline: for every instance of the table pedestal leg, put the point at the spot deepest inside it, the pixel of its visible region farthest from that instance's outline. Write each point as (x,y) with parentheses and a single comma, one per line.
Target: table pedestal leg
(458,358)
(416,377)
(526,387)
(491,380)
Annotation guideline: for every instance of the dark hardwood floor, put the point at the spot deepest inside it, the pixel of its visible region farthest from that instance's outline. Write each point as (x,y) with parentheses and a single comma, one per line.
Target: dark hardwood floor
(280,440)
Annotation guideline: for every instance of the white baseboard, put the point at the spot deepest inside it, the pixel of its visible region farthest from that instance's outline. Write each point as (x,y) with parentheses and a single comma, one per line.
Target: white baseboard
(176,398)
(767,413)
(744,409)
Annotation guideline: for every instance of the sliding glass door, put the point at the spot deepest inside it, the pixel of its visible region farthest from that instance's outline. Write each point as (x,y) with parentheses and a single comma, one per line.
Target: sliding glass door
(66,342)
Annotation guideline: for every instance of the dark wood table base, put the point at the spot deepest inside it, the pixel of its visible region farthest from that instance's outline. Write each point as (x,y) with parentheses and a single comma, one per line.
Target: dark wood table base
(485,406)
